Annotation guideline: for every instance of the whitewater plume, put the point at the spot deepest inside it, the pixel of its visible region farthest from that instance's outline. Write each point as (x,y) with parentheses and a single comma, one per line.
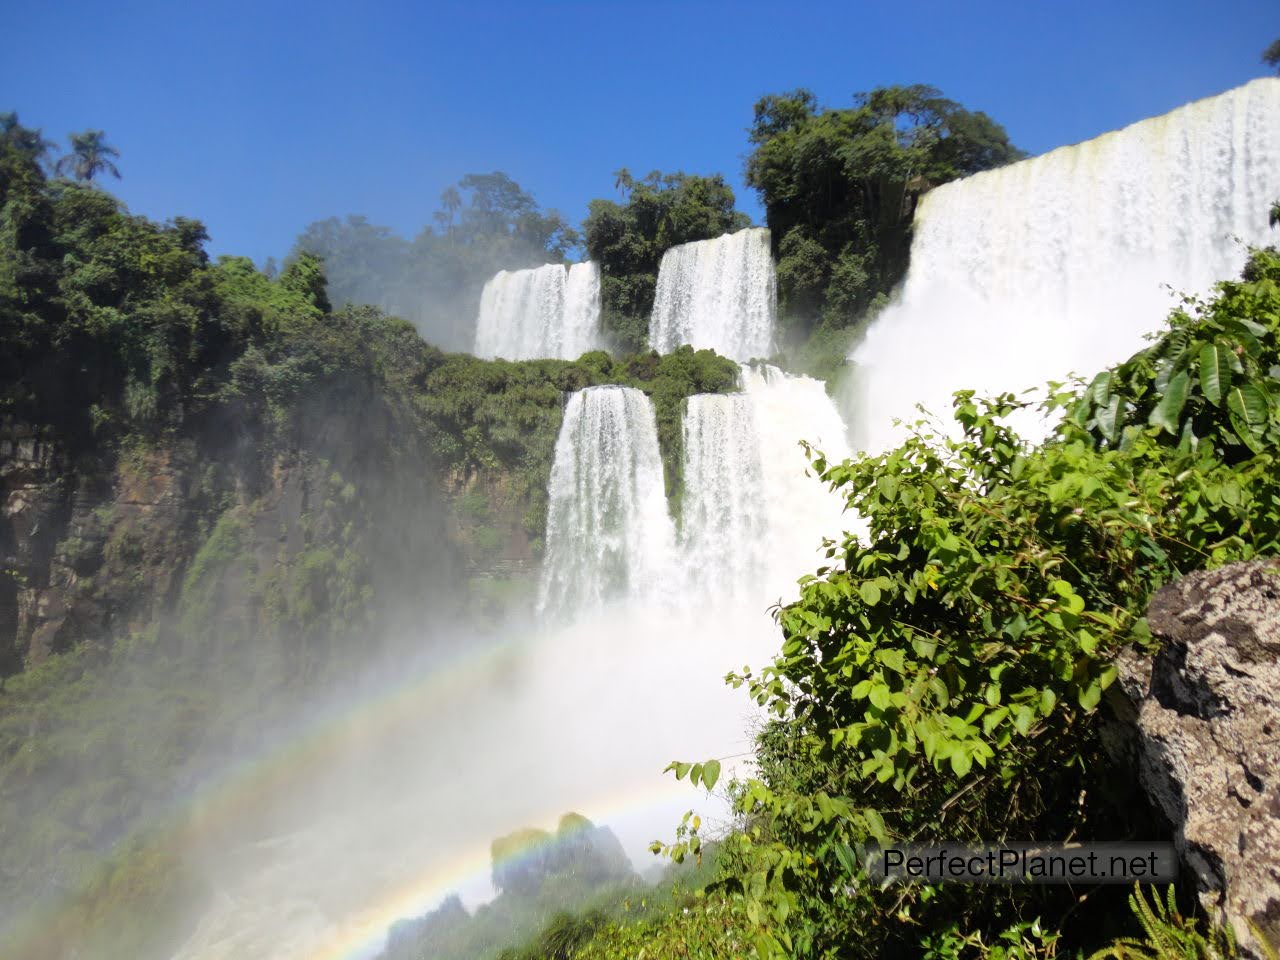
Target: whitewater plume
(1057,264)
(543,312)
(609,534)
(719,294)
(752,516)
(801,511)
(723,512)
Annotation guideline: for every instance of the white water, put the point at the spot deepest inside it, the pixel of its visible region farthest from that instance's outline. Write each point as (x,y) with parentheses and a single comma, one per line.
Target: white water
(752,516)
(719,294)
(724,515)
(546,311)
(609,534)
(800,510)
(1056,264)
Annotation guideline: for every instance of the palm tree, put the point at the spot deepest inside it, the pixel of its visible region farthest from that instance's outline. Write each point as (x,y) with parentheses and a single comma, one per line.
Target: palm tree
(452,202)
(90,155)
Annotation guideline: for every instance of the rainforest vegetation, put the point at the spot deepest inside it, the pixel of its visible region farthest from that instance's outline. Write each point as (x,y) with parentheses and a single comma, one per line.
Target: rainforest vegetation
(227,465)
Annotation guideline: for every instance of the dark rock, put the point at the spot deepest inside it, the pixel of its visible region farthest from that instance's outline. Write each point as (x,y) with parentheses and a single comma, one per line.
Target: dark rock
(1204,719)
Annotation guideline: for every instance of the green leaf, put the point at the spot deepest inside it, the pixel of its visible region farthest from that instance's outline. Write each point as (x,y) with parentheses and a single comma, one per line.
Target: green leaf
(1090,695)
(710,773)
(1167,411)
(1100,388)
(880,696)
(893,659)
(1248,406)
(1047,700)
(1215,371)
(870,592)
(1109,419)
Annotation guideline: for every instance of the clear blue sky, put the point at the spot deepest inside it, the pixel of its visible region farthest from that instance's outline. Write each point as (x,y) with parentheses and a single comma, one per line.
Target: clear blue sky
(258,118)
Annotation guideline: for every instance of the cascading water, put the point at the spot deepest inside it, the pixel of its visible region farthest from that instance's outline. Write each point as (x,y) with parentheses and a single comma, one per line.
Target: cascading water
(609,534)
(581,329)
(545,311)
(719,294)
(752,520)
(1056,264)
(800,509)
(724,521)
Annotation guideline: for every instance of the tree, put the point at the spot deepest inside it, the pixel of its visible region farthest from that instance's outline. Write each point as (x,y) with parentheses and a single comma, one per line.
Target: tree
(1271,55)
(628,239)
(487,222)
(844,182)
(90,155)
(28,142)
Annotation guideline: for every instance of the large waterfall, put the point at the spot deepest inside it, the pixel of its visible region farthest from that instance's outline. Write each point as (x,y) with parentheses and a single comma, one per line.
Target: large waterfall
(609,534)
(545,311)
(752,518)
(1057,264)
(718,293)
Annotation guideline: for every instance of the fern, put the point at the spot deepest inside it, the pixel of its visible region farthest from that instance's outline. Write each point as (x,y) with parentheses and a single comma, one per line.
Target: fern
(1170,936)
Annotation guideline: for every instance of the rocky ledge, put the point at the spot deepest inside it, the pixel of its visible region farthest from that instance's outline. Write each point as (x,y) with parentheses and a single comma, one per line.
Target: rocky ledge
(1203,723)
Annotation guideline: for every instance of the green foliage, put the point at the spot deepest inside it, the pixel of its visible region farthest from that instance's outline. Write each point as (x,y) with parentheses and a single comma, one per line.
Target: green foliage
(1212,378)
(627,240)
(1025,940)
(1169,935)
(839,189)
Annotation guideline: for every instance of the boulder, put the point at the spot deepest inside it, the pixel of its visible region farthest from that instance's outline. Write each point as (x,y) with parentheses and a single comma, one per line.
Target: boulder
(1204,717)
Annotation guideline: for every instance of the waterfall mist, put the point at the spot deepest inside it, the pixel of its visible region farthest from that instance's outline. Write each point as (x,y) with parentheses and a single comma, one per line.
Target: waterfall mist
(1060,263)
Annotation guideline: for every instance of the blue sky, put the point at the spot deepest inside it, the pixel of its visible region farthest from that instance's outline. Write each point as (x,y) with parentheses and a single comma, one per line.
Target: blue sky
(258,118)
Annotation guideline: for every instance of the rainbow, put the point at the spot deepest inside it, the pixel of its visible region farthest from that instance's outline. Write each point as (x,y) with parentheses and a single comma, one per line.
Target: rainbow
(363,936)
(241,788)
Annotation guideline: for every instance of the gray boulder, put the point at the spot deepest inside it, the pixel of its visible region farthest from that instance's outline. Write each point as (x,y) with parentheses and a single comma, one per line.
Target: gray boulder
(1204,731)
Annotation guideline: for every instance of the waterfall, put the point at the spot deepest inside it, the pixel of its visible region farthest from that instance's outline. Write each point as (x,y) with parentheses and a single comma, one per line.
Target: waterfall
(1056,264)
(720,294)
(581,330)
(801,510)
(609,534)
(545,311)
(724,521)
(752,520)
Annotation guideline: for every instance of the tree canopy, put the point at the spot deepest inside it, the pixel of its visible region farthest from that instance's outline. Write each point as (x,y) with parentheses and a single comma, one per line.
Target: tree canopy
(628,238)
(839,189)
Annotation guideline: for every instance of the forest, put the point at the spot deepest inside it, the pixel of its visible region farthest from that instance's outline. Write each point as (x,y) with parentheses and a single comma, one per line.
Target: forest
(221,473)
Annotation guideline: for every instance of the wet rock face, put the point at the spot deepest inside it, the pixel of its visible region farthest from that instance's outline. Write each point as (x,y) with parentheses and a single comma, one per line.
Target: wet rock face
(1206,736)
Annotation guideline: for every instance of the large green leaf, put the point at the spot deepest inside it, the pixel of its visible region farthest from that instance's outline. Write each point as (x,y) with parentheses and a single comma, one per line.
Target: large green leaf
(1215,371)
(1169,408)
(1248,406)
(1100,388)
(1108,419)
